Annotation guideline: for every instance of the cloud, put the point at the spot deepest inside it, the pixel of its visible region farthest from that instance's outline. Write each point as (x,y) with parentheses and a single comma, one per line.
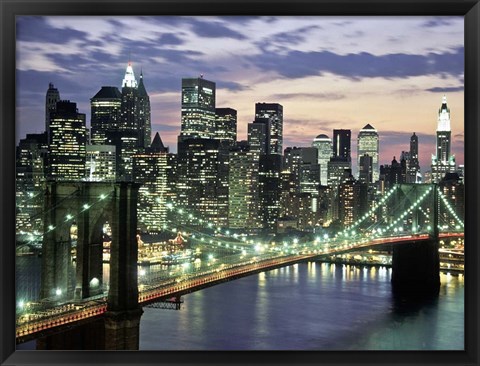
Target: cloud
(213,29)
(297,64)
(31,28)
(437,22)
(315,96)
(292,37)
(231,85)
(170,39)
(452,89)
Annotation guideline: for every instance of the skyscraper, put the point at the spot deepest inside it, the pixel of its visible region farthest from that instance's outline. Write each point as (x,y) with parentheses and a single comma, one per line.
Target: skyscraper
(413,165)
(342,144)
(226,125)
(243,193)
(324,146)
(258,136)
(155,169)
(202,183)
(143,115)
(302,163)
(66,143)
(198,109)
(105,114)
(30,176)
(443,162)
(368,143)
(51,99)
(133,134)
(272,112)
(100,163)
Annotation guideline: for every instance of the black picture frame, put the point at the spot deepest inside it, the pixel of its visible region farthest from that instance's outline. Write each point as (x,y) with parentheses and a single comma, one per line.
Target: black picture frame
(9,9)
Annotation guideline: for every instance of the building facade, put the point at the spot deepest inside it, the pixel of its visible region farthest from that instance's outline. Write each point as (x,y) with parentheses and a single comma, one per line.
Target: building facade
(443,161)
(368,144)
(198,109)
(325,151)
(105,109)
(67,143)
(226,125)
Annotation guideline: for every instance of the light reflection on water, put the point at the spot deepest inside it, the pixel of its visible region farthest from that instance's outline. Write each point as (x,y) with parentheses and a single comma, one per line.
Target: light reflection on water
(309,306)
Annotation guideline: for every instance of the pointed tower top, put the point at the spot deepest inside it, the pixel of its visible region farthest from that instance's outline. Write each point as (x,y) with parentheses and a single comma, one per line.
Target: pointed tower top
(129,80)
(141,87)
(157,144)
(444,116)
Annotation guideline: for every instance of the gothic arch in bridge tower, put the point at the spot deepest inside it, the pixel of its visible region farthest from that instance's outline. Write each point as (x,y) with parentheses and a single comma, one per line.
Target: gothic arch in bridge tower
(90,205)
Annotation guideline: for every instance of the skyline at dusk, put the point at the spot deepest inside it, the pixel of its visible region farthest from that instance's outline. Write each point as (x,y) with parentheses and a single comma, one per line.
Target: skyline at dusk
(327,72)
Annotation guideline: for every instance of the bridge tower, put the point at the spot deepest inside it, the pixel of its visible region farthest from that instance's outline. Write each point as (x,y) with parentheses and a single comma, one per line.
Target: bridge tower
(90,205)
(416,265)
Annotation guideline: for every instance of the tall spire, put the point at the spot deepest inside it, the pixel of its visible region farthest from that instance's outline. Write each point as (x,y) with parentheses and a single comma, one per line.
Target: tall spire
(141,87)
(444,116)
(129,80)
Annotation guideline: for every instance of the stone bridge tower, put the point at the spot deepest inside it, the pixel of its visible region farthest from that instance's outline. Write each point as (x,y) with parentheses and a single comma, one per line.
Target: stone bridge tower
(90,205)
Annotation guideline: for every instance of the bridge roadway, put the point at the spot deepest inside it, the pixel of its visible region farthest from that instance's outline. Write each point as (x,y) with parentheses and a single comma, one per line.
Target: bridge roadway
(68,315)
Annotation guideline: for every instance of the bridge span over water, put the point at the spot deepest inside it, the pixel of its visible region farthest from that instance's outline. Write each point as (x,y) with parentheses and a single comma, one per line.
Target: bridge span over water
(409,221)
(59,318)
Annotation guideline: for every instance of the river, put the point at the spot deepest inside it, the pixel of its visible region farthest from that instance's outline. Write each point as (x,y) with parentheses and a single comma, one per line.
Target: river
(307,306)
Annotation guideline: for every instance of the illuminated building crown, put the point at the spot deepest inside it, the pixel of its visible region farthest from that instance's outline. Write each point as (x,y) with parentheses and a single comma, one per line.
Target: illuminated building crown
(129,79)
(444,116)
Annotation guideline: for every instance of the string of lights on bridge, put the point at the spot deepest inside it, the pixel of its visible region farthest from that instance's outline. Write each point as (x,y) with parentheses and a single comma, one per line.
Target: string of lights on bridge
(69,218)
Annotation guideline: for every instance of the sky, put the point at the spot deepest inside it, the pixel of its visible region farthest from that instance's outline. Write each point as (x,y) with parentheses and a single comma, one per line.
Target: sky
(327,72)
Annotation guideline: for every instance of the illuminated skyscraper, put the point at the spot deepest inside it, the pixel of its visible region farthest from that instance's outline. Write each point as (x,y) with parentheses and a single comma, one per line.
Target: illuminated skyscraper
(30,176)
(155,169)
(226,125)
(202,184)
(368,143)
(51,99)
(67,143)
(324,146)
(342,144)
(105,114)
(133,134)
(272,112)
(198,109)
(443,162)
(258,137)
(243,193)
(143,115)
(413,164)
(100,163)
(352,200)
(302,163)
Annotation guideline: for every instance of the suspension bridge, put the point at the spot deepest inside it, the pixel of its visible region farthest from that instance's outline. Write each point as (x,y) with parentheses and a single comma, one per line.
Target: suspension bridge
(409,221)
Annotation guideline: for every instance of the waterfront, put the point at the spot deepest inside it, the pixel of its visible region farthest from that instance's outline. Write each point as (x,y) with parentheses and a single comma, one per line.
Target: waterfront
(309,306)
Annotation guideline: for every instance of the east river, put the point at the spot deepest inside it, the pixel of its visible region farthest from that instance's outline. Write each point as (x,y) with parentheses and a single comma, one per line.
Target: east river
(308,306)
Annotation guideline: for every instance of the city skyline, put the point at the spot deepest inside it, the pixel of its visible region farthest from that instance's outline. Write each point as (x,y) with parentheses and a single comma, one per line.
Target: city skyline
(326,81)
